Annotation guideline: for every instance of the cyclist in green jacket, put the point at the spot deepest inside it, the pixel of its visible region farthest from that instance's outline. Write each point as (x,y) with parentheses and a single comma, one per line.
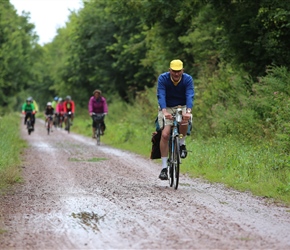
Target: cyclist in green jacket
(29,110)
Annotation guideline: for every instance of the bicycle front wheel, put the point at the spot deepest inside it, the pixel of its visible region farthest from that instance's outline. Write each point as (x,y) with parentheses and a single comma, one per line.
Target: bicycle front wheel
(68,124)
(56,121)
(98,134)
(169,164)
(176,162)
(29,126)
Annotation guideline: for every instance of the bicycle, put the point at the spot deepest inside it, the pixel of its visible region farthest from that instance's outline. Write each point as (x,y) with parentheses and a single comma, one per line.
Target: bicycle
(56,121)
(68,121)
(49,124)
(98,120)
(60,120)
(29,122)
(174,160)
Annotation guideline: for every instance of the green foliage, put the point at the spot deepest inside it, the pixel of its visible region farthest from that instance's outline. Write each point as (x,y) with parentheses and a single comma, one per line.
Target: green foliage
(221,104)
(10,146)
(202,40)
(256,33)
(16,52)
(271,103)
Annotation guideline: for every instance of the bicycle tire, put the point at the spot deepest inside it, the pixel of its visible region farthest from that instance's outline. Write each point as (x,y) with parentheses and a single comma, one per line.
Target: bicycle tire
(98,134)
(60,122)
(170,165)
(176,163)
(28,126)
(56,122)
(68,124)
(48,128)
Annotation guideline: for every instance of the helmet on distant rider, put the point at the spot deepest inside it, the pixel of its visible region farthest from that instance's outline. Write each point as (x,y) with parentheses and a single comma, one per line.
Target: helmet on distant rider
(60,99)
(48,104)
(29,99)
(68,98)
(97,91)
(56,98)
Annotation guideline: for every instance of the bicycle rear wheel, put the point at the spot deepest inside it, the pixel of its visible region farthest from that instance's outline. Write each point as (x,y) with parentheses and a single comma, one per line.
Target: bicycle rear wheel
(176,163)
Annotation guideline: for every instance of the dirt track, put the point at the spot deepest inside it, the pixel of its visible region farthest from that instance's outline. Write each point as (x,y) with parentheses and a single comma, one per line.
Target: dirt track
(78,195)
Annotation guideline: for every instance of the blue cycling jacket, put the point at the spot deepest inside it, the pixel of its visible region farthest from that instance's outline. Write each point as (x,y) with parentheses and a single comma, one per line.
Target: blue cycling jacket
(169,95)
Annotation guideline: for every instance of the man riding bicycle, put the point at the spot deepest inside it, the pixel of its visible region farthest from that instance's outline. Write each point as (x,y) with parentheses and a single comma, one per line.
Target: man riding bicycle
(97,104)
(49,112)
(59,111)
(54,102)
(175,88)
(68,106)
(29,110)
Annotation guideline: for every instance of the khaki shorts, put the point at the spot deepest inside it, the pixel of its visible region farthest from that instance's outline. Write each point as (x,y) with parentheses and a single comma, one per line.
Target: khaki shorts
(162,121)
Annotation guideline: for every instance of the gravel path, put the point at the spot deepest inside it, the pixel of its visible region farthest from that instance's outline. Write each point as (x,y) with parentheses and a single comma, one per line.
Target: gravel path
(77,195)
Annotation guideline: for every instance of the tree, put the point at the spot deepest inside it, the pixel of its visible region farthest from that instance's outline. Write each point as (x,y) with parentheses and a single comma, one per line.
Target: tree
(256,33)
(17,42)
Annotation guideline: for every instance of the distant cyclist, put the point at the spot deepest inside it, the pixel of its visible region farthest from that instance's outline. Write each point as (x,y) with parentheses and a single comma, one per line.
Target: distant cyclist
(54,102)
(68,106)
(33,114)
(59,111)
(35,105)
(97,104)
(29,110)
(49,112)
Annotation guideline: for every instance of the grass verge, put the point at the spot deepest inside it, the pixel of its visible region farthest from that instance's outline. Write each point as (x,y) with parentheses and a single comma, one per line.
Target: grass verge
(11,147)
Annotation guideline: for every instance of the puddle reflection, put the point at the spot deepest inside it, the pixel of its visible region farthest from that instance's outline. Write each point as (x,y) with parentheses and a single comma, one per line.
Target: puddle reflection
(88,221)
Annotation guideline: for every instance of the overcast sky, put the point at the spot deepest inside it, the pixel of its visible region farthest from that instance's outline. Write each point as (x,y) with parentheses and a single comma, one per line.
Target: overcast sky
(47,15)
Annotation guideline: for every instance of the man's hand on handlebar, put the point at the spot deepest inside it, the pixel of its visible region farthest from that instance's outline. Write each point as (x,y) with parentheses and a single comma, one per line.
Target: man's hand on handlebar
(167,115)
(186,116)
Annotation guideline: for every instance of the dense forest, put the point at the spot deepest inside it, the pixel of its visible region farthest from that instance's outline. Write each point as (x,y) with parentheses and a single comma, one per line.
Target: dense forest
(236,50)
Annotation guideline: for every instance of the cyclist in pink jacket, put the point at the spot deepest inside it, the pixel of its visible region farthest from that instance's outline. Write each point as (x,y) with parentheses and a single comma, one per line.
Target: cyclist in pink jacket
(98,105)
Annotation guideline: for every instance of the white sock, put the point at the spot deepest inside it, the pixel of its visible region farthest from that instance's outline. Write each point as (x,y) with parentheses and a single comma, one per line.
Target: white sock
(182,141)
(164,162)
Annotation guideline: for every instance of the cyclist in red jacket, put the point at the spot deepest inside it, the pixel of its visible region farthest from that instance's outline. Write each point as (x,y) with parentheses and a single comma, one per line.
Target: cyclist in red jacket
(68,106)
(60,111)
